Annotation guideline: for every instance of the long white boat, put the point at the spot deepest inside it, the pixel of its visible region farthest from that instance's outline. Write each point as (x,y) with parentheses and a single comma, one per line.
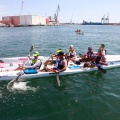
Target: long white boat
(14,61)
(71,69)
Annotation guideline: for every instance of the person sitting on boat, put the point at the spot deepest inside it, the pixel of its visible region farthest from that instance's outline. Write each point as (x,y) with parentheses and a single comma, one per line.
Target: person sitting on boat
(61,64)
(102,54)
(71,55)
(101,48)
(53,61)
(35,62)
(89,56)
(100,59)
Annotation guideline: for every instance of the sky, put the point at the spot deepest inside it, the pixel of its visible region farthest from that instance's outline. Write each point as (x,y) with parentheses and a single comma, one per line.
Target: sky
(70,10)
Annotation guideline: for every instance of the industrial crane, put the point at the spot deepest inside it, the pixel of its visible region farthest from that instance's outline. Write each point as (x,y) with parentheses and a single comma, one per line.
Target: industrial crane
(56,14)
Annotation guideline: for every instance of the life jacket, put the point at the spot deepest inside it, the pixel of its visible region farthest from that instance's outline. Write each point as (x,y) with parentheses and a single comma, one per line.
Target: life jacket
(34,61)
(98,58)
(59,64)
(89,55)
(70,52)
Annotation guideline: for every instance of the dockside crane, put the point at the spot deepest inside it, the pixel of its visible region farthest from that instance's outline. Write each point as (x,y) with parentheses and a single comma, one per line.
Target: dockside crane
(56,14)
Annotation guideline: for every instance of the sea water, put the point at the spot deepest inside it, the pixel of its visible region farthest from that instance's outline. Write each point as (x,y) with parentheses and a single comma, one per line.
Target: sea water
(83,96)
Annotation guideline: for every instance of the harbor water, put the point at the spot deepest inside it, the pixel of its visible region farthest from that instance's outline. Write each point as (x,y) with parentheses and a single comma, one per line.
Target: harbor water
(83,96)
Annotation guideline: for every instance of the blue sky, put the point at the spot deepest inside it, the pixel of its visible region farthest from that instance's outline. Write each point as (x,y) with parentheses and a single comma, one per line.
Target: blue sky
(75,10)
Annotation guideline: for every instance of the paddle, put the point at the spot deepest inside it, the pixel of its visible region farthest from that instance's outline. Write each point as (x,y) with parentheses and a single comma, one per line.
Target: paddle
(58,80)
(99,67)
(57,77)
(20,73)
(44,68)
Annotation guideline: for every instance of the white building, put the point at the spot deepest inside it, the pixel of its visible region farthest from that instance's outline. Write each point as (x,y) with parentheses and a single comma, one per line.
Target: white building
(32,20)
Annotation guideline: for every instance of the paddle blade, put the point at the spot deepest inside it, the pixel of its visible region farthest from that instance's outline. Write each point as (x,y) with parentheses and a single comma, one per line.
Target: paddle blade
(102,70)
(58,80)
(32,47)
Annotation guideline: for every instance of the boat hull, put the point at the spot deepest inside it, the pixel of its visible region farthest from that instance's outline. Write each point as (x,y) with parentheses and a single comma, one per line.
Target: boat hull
(72,69)
(15,61)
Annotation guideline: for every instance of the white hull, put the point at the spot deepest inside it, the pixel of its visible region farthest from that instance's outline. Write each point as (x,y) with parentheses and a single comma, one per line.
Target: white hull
(13,74)
(14,61)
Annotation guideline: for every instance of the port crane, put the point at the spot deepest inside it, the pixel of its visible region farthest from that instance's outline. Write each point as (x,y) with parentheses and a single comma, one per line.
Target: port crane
(56,14)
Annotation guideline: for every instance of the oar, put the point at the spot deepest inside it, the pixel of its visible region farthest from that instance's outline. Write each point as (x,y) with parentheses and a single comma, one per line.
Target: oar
(57,77)
(99,67)
(20,73)
(58,80)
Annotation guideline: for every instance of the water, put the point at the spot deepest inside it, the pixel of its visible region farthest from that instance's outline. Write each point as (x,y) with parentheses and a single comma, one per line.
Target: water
(84,96)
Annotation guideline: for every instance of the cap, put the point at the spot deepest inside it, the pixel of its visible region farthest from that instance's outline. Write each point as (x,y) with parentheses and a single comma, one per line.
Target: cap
(71,46)
(36,53)
(90,48)
(60,53)
(57,51)
(102,45)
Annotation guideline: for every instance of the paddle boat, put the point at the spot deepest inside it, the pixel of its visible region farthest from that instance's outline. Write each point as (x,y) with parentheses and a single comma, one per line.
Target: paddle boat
(8,73)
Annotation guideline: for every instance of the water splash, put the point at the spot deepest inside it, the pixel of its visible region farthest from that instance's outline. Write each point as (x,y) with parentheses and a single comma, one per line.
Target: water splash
(20,86)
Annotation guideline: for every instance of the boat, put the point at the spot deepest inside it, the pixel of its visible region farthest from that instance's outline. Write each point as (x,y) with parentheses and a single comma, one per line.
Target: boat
(113,61)
(91,23)
(15,61)
(79,32)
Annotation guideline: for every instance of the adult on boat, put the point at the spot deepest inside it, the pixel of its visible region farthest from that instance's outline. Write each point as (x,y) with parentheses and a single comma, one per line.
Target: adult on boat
(89,56)
(34,62)
(99,59)
(53,61)
(101,48)
(61,64)
(102,55)
(71,55)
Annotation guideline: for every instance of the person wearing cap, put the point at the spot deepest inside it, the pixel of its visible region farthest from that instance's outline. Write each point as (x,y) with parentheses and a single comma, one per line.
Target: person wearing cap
(53,61)
(101,48)
(71,55)
(100,58)
(61,64)
(35,63)
(102,54)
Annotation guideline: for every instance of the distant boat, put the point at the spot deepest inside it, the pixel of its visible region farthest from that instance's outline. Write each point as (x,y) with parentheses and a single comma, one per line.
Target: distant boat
(79,32)
(92,23)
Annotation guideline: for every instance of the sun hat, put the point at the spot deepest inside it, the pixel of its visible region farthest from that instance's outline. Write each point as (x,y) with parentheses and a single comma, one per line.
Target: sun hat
(36,53)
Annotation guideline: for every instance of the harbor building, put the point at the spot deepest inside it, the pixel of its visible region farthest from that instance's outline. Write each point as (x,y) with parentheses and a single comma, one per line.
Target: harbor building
(24,20)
